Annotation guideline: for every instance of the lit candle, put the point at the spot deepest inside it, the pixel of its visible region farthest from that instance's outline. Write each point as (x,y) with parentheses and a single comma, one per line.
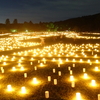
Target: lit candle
(41,64)
(96,68)
(72,84)
(73,65)
(38,61)
(85,75)
(71,72)
(35,68)
(2,70)
(93,83)
(13,68)
(78,96)
(55,81)
(49,78)
(71,78)
(25,75)
(31,63)
(9,88)
(66,59)
(21,68)
(69,68)
(59,73)
(84,70)
(58,65)
(35,81)
(81,60)
(54,70)
(46,94)
(23,90)
(98,96)
(97,61)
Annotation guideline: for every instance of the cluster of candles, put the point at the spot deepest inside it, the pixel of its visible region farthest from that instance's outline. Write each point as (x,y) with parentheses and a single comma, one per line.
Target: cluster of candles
(58,53)
(12,43)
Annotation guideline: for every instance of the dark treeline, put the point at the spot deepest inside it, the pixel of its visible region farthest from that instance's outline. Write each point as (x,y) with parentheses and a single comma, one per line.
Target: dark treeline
(89,23)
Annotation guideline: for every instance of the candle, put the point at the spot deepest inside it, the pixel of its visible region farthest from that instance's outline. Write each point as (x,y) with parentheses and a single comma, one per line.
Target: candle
(84,70)
(98,96)
(59,73)
(9,88)
(55,81)
(46,94)
(49,78)
(25,75)
(78,96)
(23,90)
(71,72)
(54,70)
(93,83)
(72,84)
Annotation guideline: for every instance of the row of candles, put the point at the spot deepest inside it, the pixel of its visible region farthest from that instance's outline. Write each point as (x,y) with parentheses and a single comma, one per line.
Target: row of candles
(60,47)
(12,43)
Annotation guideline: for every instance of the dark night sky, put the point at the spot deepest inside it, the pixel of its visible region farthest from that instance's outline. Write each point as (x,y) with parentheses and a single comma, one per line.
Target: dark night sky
(46,10)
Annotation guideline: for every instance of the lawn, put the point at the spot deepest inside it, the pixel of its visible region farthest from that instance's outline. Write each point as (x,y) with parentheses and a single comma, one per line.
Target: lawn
(73,66)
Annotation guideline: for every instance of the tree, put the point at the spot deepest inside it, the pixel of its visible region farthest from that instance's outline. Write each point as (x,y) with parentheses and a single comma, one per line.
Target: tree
(15,21)
(7,22)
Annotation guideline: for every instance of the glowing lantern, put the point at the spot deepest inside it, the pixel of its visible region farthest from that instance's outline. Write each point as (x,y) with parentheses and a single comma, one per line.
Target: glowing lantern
(78,96)
(54,70)
(13,68)
(66,59)
(46,94)
(85,75)
(72,84)
(69,68)
(98,96)
(9,88)
(73,60)
(38,61)
(25,75)
(41,64)
(35,68)
(23,90)
(49,78)
(73,65)
(88,60)
(59,73)
(19,64)
(35,81)
(22,68)
(4,63)
(84,70)
(55,81)
(97,61)
(81,60)
(58,65)
(31,63)
(53,59)
(96,68)
(71,78)
(32,59)
(93,83)
(2,70)
(71,72)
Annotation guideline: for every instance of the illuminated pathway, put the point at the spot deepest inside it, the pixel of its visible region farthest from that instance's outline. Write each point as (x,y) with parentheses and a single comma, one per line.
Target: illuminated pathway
(60,71)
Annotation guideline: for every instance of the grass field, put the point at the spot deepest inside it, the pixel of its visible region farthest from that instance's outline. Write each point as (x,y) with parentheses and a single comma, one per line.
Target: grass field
(60,60)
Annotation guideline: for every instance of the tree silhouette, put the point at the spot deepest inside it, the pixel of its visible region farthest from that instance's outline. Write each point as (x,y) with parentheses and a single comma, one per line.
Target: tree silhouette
(15,21)
(7,22)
